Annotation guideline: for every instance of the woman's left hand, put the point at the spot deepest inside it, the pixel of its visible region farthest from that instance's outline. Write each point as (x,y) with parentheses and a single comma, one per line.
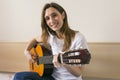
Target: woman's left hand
(55,61)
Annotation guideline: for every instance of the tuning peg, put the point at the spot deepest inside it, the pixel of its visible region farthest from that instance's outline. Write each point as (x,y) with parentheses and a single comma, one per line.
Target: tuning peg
(77,53)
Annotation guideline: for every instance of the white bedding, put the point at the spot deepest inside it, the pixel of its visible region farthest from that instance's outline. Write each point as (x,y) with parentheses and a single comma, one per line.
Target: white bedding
(6,75)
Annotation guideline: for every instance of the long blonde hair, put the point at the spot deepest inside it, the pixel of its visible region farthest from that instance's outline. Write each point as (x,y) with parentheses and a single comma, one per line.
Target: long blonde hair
(67,33)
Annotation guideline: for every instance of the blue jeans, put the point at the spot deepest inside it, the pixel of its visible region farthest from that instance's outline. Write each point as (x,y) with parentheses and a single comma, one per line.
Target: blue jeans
(31,76)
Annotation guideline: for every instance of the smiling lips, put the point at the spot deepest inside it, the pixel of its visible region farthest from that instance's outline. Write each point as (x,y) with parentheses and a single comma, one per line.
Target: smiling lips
(54,25)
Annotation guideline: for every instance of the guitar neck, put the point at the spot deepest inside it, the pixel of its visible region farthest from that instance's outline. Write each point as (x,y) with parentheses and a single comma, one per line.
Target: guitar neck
(61,59)
(73,57)
(45,60)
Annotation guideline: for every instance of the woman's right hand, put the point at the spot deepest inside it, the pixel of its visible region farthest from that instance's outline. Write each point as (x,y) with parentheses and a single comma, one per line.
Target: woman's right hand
(29,56)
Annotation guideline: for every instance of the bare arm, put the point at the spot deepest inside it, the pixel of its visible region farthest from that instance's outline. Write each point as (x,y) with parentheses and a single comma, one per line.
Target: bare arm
(75,70)
(29,46)
(32,42)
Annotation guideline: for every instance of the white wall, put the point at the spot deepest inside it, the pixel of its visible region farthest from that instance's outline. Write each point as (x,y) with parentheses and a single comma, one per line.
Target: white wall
(98,20)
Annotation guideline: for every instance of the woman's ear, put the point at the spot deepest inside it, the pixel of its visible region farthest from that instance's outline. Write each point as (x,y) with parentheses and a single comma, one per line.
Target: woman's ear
(63,15)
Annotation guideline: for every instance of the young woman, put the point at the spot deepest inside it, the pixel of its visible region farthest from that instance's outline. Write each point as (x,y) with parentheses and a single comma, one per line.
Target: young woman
(59,37)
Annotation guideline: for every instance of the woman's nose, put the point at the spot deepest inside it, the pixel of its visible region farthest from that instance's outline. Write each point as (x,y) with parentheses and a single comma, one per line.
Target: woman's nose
(51,20)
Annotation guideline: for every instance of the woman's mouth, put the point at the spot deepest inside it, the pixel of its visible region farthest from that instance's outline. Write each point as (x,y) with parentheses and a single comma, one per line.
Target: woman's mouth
(54,25)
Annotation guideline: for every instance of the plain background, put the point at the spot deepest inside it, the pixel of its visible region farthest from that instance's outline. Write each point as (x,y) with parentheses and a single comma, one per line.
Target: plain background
(98,20)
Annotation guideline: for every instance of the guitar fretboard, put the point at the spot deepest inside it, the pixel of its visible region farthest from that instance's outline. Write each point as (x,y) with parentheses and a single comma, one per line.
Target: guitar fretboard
(45,60)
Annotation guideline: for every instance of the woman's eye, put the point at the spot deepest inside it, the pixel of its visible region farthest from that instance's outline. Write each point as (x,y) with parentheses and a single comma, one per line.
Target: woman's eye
(54,15)
(46,18)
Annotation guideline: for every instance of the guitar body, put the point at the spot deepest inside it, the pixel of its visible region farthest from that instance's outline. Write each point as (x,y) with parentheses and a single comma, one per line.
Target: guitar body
(41,68)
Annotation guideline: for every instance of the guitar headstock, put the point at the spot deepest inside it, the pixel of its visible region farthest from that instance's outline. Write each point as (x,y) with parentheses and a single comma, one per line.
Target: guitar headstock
(81,56)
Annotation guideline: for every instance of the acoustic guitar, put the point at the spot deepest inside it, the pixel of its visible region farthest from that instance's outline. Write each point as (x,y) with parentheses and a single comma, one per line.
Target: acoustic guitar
(44,66)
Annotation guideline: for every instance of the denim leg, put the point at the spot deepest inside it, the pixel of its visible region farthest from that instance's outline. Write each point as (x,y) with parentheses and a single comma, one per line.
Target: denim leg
(31,76)
(27,76)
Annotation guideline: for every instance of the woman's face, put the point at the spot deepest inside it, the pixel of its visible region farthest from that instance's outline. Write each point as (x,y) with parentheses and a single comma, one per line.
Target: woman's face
(54,19)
